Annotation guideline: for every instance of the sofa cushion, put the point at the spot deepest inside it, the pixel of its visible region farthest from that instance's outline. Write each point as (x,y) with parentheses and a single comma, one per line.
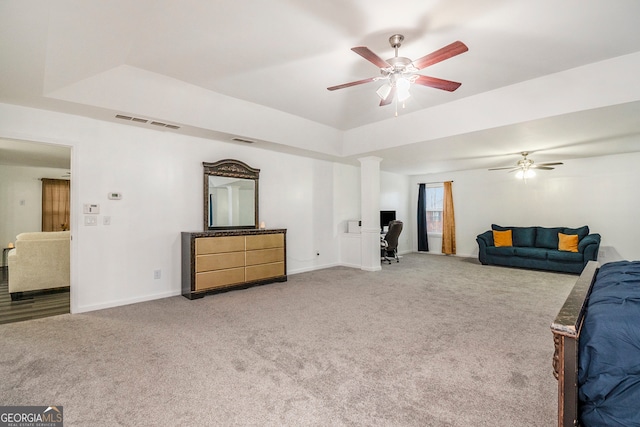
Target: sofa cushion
(501,250)
(522,236)
(44,235)
(547,237)
(536,253)
(564,256)
(568,242)
(582,232)
(502,238)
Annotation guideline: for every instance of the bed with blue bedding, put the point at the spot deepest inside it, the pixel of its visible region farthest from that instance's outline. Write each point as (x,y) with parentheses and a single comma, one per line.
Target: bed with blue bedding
(609,349)
(597,348)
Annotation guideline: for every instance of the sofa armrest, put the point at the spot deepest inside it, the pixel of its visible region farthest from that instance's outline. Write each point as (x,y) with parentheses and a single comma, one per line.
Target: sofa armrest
(589,247)
(485,239)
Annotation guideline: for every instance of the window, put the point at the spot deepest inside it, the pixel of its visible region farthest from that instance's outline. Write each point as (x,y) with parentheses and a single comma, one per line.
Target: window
(55,204)
(435,197)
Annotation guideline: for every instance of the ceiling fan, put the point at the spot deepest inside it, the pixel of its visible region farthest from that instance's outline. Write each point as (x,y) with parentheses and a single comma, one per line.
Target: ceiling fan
(525,166)
(399,72)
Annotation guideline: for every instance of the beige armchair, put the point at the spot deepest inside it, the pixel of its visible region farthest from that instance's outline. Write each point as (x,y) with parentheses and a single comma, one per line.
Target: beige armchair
(39,261)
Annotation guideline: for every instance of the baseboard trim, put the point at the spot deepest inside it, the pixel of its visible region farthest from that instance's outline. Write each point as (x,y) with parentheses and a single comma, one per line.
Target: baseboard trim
(313,268)
(127,301)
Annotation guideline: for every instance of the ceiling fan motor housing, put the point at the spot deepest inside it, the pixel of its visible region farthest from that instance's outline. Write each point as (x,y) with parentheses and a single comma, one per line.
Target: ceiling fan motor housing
(396,40)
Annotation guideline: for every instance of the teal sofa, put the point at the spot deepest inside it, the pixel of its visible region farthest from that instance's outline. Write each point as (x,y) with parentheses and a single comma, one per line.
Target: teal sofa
(537,248)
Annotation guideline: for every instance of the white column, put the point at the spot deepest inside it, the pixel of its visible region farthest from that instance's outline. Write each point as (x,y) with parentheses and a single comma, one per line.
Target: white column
(370,212)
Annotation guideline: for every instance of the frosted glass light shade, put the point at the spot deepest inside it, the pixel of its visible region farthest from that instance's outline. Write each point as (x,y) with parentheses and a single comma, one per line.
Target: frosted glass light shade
(384,91)
(525,174)
(403,85)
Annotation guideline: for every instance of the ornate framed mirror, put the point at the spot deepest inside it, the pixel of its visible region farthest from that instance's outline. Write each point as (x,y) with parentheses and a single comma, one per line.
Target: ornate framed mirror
(230,195)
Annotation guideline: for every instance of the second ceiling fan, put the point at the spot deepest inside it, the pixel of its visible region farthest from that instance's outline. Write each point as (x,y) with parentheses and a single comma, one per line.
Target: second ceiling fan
(525,166)
(399,72)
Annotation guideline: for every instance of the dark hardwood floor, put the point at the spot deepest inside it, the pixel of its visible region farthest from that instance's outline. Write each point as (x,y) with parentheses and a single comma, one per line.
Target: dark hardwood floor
(31,306)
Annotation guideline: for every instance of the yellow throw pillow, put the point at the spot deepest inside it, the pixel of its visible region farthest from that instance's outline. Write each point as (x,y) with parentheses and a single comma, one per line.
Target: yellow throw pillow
(502,238)
(568,242)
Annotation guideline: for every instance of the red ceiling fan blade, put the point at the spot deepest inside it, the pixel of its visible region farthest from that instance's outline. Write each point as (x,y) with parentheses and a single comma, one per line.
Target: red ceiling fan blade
(438,83)
(455,48)
(389,98)
(358,82)
(367,54)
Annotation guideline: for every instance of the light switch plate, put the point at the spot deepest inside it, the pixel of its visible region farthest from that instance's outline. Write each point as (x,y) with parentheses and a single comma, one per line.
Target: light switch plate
(88,208)
(90,220)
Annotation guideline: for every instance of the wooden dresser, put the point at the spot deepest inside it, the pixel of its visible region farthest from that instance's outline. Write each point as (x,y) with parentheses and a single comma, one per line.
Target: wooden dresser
(218,261)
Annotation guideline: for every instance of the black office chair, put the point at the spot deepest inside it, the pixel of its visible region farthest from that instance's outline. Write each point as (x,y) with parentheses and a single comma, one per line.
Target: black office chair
(389,246)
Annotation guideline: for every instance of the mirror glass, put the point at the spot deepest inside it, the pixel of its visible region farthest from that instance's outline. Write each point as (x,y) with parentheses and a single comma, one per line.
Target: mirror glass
(230,195)
(231,202)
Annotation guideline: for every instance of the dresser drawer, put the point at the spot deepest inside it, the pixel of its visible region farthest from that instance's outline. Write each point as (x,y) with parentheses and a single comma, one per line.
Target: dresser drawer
(216,261)
(219,278)
(216,245)
(264,271)
(265,241)
(219,261)
(265,256)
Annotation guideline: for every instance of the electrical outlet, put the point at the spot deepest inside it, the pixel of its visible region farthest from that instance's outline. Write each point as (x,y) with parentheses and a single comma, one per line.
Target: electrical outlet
(157,274)
(106,220)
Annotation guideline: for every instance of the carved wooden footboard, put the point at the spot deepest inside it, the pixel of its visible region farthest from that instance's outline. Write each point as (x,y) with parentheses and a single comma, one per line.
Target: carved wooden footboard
(566,333)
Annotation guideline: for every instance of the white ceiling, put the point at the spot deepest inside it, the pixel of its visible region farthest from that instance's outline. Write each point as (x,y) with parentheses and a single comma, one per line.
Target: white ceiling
(553,78)
(33,154)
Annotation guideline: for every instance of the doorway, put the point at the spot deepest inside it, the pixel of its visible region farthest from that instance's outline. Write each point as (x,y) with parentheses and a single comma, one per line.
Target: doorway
(23,166)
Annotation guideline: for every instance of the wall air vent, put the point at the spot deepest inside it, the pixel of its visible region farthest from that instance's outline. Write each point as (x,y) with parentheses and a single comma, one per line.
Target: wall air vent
(151,122)
(246,141)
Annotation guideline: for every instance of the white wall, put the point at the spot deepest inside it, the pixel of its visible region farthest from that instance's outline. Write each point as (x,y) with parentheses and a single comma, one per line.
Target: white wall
(599,192)
(160,177)
(395,196)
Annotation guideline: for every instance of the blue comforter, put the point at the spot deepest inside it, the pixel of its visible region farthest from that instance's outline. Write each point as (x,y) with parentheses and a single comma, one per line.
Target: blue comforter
(609,365)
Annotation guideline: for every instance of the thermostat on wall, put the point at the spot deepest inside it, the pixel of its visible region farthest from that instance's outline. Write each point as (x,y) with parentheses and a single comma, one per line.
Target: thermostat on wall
(115,196)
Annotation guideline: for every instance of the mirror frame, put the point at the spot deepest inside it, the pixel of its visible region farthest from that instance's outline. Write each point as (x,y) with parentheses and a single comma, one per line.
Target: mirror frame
(232,169)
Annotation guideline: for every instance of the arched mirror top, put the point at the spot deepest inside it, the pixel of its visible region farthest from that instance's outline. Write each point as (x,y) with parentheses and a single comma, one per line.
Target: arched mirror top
(230,195)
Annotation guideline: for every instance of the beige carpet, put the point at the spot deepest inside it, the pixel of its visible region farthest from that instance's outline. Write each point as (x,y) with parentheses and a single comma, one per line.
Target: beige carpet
(429,341)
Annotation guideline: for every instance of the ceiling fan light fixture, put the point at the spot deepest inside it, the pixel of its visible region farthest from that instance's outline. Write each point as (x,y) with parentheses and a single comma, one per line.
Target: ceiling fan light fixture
(384,91)
(525,174)
(402,86)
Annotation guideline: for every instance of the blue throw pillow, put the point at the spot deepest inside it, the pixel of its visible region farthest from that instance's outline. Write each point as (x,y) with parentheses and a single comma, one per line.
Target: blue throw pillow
(548,237)
(522,236)
(582,232)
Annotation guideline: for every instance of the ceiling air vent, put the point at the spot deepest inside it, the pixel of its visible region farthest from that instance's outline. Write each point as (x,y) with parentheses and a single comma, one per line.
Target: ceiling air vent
(246,141)
(151,122)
